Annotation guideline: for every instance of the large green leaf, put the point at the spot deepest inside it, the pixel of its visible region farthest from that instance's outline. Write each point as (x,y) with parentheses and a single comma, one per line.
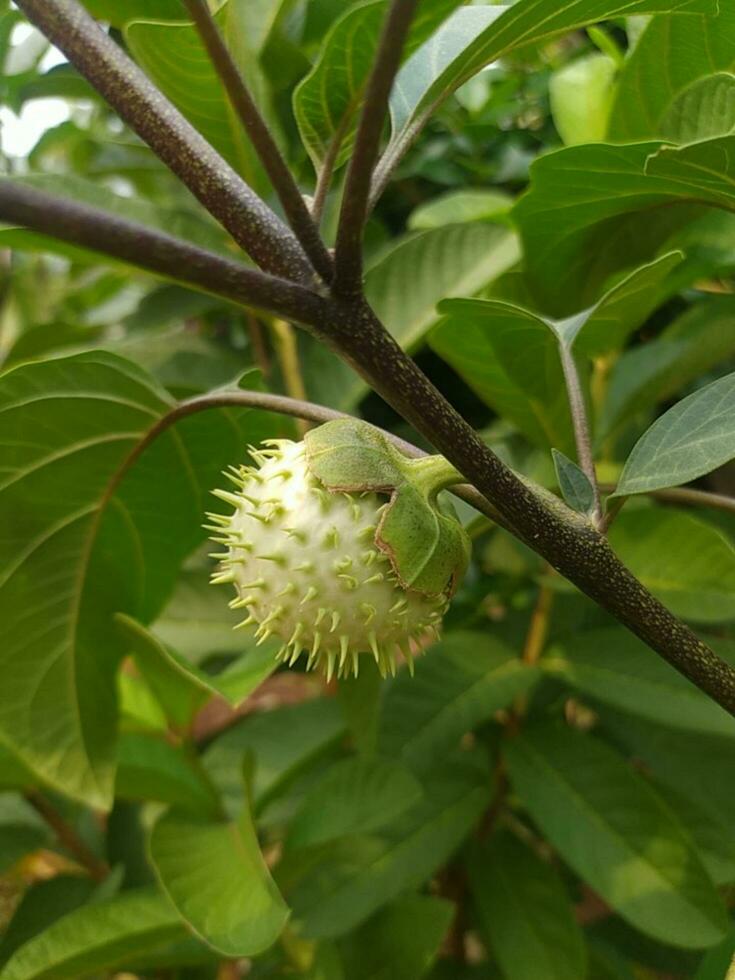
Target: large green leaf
(688,564)
(648,99)
(615,667)
(616,833)
(328,100)
(345,884)
(475,36)
(82,539)
(693,438)
(453,260)
(400,941)
(525,912)
(594,210)
(96,937)
(216,877)
(461,683)
(176,59)
(701,338)
(353,797)
(119,12)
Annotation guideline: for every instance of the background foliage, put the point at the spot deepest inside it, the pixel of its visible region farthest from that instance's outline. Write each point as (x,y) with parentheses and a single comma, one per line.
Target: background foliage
(546,798)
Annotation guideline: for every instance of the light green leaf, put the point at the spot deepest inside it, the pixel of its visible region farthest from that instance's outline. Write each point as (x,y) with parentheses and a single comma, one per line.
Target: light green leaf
(478,35)
(646,375)
(175,58)
(525,912)
(613,830)
(402,940)
(704,110)
(119,12)
(460,207)
(283,743)
(461,683)
(614,667)
(150,768)
(581,96)
(328,100)
(574,484)
(353,878)
(79,544)
(353,797)
(218,881)
(594,210)
(693,438)
(688,564)
(454,260)
(96,937)
(648,98)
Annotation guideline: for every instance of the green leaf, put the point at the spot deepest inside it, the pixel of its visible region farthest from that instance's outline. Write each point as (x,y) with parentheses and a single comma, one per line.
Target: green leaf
(525,912)
(712,837)
(475,37)
(175,58)
(594,210)
(644,376)
(353,797)
(613,666)
(283,742)
(460,207)
(454,260)
(693,438)
(16,841)
(80,542)
(402,940)
(96,937)
(216,877)
(462,682)
(648,100)
(581,96)
(150,768)
(119,12)
(427,546)
(328,100)
(613,830)
(574,484)
(353,878)
(704,110)
(686,563)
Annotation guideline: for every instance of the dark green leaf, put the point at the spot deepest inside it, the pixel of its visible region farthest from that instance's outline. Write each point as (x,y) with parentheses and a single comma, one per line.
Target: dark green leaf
(41,905)
(616,833)
(525,912)
(574,484)
(216,877)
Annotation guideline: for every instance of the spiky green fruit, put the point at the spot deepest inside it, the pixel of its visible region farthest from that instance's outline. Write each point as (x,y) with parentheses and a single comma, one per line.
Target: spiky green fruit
(306,567)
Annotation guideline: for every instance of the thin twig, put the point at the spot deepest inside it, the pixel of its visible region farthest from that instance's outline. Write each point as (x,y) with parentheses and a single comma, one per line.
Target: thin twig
(67,836)
(684,495)
(348,248)
(265,146)
(580,422)
(155,251)
(222,192)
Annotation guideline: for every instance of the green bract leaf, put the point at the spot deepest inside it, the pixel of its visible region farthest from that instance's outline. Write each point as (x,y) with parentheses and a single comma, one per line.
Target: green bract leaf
(427,545)
(574,484)
(618,836)
(463,681)
(691,439)
(475,37)
(349,881)
(594,210)
(96,937)
(653,103)
(614,667)
(688,564)
(328,100)
(216,877)
(354,796)
(525,912)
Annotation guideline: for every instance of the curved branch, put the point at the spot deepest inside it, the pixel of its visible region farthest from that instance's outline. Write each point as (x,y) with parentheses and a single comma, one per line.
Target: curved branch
(155,251)
(348,248)
(128,90)
(265,146)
